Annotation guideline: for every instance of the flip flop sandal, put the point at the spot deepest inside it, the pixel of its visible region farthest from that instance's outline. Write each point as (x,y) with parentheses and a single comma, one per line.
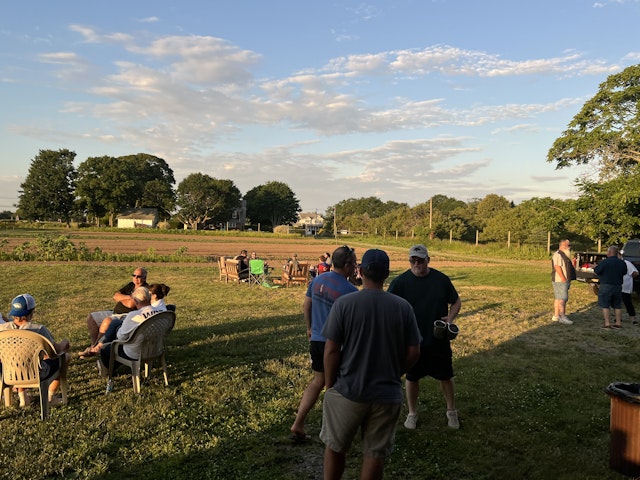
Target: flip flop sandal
(87,353)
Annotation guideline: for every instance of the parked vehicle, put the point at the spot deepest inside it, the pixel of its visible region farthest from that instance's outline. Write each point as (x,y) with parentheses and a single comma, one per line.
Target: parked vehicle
(631,251)
(584,262)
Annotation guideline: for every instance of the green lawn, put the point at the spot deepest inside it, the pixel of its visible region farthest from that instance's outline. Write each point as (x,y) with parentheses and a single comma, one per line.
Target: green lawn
(530,393)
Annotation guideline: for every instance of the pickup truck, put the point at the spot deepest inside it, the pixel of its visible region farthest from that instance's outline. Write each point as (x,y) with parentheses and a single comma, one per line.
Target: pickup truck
(584,262)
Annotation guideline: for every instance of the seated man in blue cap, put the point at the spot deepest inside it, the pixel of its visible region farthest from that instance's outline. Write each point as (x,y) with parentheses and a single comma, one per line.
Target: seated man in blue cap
(20,315)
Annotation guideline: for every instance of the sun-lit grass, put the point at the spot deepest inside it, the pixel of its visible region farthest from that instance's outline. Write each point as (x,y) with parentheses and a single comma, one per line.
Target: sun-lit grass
(530,393)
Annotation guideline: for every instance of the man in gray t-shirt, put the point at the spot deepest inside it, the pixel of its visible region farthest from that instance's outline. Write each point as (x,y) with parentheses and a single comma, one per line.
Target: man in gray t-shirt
(372,340)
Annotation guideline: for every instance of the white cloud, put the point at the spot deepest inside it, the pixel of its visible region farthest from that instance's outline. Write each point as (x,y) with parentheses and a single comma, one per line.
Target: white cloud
(189,98)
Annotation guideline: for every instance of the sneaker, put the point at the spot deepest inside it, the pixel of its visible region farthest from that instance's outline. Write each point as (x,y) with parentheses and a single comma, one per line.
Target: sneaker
(109,388)
(565,321)
(554,318)
(102,369)
(411,422)
(452,419)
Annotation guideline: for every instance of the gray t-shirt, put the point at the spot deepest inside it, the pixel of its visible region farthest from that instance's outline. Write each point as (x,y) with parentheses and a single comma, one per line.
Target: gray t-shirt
(374,329)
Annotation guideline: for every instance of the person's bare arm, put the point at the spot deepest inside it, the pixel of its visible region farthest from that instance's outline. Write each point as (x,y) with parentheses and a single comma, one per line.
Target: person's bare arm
(331,362)
(411,356)
(126,300)
(560,273)
(306,310)
(454,309)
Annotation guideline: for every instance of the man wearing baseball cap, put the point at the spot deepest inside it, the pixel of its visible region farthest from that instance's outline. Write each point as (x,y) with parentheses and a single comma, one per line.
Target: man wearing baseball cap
(20,315)
(433,297)
(321,294)
(372,338)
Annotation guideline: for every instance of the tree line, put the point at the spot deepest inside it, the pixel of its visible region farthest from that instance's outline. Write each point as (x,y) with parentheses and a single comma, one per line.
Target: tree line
(102,187)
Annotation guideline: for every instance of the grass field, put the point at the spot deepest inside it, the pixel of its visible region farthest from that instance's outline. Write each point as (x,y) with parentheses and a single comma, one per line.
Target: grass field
(530,393)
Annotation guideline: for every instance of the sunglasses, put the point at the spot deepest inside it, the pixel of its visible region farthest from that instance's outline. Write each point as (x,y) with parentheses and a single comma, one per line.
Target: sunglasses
(417,261)
(137,276)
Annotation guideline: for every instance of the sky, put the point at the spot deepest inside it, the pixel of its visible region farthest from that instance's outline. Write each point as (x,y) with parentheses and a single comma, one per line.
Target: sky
(401,100)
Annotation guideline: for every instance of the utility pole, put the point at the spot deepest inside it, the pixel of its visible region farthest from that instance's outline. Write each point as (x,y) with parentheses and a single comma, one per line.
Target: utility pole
(335,223)
(430,211)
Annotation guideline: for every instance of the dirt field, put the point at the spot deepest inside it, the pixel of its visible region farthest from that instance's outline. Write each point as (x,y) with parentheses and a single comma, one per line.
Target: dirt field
(273,250)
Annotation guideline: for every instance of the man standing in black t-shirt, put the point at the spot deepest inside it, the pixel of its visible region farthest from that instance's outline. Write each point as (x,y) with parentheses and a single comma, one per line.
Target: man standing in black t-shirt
(433,297)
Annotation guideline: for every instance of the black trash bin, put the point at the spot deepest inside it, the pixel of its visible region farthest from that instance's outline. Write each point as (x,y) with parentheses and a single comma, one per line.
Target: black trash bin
(624,449)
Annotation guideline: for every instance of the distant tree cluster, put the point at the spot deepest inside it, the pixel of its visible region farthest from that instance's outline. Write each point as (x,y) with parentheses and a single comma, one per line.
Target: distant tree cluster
(493,218)
(102,187)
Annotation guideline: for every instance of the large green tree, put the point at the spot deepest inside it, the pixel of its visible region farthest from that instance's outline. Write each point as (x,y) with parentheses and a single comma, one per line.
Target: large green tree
(365,208)
(47,192)
(201,198)
(159,194)
(105,186)
(273,203)
(610,211)
(490,206)
(108,185)
(606,131)
(154,183)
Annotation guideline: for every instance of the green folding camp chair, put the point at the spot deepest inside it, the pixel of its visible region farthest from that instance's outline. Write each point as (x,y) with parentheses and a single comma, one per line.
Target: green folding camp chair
(256,272)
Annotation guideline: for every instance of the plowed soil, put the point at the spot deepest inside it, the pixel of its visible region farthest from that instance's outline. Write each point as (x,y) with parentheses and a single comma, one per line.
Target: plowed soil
(274,250)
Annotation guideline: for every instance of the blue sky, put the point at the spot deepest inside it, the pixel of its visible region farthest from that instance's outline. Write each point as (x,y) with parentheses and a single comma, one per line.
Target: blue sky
(396,99)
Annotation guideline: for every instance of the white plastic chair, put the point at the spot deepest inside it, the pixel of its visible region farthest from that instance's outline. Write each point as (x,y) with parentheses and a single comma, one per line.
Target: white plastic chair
(21,352)
(150,337)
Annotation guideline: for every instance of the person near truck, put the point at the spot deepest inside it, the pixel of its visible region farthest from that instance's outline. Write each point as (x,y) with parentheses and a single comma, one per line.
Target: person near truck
(561,275)
(611,272)
(627,289)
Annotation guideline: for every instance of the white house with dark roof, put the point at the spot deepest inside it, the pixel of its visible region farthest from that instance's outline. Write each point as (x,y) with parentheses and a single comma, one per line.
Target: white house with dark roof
(138,218)
(312,222)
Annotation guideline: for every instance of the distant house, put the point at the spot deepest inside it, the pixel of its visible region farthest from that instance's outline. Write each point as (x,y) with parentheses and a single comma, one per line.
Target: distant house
(138,217)
(312,222)
(238,218)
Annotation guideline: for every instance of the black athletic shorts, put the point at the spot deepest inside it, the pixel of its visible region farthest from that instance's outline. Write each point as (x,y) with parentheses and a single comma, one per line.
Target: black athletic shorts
(434,362)
(316,349)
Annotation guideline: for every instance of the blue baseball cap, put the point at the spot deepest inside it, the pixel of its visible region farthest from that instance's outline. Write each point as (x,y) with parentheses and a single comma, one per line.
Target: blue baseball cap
(22,305)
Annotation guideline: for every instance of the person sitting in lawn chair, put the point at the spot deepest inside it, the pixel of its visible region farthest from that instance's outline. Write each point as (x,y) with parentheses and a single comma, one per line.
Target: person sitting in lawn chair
(158,292)
(20,315)
(243,264)
(98,322)
(142,298)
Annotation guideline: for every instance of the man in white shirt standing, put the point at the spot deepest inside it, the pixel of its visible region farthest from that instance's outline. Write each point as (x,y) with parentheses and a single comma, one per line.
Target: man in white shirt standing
(627,289)
(561,275)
